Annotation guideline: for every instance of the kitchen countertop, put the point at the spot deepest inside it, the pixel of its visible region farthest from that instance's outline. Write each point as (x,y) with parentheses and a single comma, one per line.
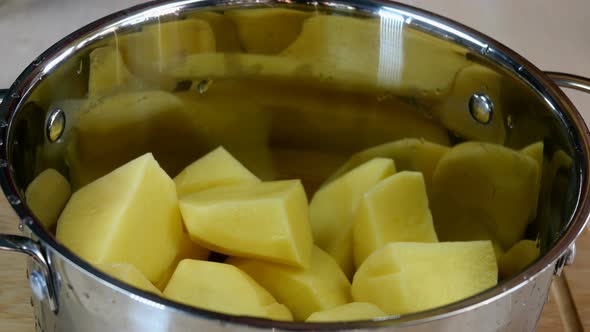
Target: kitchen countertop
(554,36)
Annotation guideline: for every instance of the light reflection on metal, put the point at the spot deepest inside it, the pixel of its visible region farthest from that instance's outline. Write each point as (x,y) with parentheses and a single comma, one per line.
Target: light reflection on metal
(391,48)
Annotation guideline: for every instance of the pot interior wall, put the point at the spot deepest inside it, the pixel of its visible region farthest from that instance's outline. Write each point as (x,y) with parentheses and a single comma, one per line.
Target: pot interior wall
(291,93)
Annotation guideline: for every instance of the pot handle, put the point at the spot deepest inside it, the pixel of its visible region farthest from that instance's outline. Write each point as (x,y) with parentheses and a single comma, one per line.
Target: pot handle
(2,94)
(40,279)
(580,83)
(570,81)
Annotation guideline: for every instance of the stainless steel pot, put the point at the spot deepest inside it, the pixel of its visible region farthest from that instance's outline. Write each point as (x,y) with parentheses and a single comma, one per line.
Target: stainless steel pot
(71,295)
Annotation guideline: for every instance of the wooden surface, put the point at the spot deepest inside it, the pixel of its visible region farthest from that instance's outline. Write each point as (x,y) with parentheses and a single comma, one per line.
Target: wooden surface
(560,313)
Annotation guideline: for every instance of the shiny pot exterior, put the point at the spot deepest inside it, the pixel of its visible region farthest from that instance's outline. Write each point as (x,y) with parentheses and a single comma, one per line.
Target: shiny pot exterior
(71,295)
(89,304)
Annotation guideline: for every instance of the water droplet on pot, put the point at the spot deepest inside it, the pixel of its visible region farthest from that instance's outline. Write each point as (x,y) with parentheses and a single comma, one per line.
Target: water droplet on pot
(485,49)
(28,221)
(509,121)
(21,226)
(37,62)
(14,200)
(204,85)
(3,163)
(80,68)
(15,95)
(3,123)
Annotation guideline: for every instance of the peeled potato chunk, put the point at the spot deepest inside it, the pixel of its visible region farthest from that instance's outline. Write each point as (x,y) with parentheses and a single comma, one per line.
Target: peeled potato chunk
(523,253)
(267,30)
(409,154)
(332,209)
(394,210)
(217,168)
(129,274)
(224,288)
(128,216)
(406,277)
(108,73)
(303,291)
(486,185)
(535,151)
(267,220)
(188,250)
(47,196)
(347,312)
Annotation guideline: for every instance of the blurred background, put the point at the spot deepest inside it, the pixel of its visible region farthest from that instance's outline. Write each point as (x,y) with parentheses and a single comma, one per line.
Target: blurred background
(553,35)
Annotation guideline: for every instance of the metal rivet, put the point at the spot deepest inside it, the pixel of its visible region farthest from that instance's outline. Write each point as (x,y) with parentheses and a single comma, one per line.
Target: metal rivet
(55,125)
(481,108)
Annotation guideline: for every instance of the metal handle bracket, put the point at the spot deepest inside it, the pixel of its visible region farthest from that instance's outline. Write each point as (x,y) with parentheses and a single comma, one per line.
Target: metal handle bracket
(40,280)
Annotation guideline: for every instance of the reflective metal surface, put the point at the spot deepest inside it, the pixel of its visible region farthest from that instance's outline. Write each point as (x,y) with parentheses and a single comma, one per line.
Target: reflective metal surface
(95,301)
(570,81)
(42,279)
(55,125)
(481,108)
(88,303)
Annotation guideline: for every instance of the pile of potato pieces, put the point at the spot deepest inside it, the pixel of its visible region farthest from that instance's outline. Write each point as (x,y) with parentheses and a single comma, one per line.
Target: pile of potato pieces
(292,261)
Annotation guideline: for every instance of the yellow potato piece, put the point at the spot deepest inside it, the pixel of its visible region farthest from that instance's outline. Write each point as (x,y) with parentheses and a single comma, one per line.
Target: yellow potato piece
(188,250)
(226,37)
(522,254)
(332,209)
(128,216)
(409,154)
(486,185)
(47,196)
(535,151)
(223,288)
(150,52)
(267,220)
(454,111)
(404,65)
(267,30)
(406,277)
(394,210)
(217,168)
(347,312)
(109,73)
(129,274)
(321,286)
